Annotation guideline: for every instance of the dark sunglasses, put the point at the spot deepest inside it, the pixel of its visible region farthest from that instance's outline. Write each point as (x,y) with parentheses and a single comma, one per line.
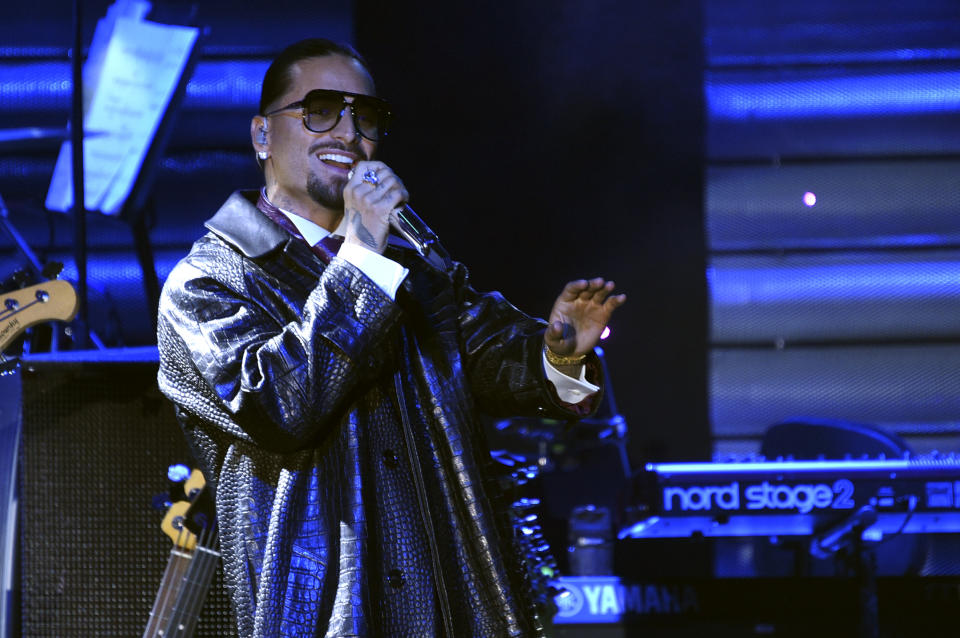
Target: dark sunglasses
(323,108)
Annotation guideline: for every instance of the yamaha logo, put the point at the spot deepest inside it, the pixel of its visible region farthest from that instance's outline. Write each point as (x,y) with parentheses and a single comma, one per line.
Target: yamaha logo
(569,603)
(607,599)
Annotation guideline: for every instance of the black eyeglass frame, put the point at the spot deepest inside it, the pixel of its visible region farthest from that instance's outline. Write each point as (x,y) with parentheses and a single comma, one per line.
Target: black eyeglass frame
(382,107)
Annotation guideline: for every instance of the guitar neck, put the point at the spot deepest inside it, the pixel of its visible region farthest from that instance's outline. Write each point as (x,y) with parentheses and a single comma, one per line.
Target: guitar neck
(177,567)
(183,589)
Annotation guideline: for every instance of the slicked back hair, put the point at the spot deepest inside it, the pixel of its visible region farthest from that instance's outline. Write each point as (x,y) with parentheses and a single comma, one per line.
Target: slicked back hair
(277,79)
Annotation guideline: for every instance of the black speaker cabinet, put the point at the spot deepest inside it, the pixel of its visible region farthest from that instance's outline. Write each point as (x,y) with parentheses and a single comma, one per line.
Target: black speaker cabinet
(97,439)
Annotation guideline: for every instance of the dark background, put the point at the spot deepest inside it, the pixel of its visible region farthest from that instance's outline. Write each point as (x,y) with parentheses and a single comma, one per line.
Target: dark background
(550,143)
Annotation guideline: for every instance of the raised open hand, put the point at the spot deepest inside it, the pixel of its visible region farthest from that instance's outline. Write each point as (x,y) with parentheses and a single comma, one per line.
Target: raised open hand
(579,315)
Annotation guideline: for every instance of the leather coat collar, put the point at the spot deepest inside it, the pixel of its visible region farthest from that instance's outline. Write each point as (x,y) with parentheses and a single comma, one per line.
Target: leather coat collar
(241,223)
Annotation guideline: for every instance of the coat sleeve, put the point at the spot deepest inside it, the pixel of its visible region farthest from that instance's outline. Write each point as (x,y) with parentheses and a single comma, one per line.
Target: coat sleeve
(502,349)
(227,355)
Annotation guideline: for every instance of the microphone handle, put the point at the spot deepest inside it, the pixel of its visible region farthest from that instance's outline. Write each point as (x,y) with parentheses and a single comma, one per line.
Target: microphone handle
(413,229)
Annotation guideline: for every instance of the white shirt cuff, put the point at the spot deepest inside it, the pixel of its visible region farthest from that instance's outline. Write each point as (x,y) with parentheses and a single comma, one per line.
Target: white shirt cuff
(384,272)
(569,389)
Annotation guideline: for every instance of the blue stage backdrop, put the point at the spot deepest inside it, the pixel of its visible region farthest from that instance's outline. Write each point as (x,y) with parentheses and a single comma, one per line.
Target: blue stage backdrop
(773,183)
(832,193)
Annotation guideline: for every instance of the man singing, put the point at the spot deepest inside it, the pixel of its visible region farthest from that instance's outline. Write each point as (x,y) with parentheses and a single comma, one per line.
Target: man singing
(328,377)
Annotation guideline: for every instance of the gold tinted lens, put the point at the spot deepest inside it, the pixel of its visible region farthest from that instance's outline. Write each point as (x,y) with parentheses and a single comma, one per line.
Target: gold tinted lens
(322,110)
(367,117)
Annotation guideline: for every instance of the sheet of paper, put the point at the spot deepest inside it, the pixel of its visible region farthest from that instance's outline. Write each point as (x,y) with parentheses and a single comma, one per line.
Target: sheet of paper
(134,9)
(138,74)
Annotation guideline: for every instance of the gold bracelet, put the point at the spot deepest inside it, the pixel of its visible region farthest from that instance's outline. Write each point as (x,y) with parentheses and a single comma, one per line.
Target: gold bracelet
(561,360)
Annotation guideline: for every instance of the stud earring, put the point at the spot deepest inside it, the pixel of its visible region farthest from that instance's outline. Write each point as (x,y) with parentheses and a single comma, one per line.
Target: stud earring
(262,155)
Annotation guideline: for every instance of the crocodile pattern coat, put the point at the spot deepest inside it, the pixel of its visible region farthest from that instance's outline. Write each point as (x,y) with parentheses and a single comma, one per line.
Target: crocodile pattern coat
(338,431)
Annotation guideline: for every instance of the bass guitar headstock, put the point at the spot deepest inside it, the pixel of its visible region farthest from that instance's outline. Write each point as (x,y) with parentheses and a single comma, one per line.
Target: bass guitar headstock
(51,300)
(185,518)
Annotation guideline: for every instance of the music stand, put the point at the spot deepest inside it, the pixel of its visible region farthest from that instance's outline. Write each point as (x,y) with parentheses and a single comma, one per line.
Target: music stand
(139,201)
(149,80)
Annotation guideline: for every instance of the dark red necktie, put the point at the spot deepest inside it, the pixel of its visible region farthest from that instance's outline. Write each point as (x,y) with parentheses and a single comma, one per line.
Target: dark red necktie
(328,247)
(325,249)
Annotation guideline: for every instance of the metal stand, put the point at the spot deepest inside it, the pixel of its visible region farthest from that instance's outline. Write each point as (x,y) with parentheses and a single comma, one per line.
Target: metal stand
(79,203)
(860,561)
(151,283)
(10,394)
(139,203)
(865,571)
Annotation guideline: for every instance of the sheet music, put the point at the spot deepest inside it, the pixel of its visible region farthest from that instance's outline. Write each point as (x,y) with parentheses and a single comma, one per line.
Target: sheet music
(134,9)
(133,82)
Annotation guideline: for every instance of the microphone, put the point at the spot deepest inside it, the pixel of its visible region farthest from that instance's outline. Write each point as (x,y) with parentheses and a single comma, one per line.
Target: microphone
(406,222)
(409,225)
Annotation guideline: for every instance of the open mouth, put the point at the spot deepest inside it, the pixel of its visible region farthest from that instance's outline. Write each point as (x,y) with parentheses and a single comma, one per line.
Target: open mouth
(342,162)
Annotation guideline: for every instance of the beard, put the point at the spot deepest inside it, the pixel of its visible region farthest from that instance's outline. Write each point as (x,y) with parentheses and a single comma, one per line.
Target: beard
(327,194)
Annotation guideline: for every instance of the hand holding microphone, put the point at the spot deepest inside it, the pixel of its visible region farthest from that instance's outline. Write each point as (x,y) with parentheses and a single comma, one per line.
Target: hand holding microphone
(402,218)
